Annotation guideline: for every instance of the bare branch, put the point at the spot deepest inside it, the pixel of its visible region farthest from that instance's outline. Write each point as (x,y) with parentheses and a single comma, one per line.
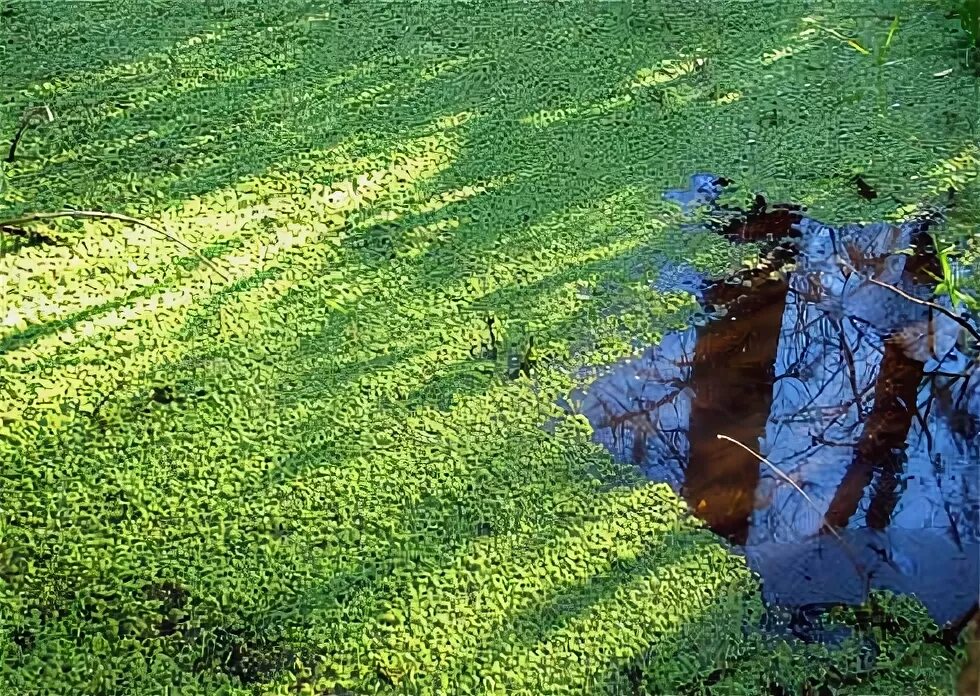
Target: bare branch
(931,305)
(924,303)
(97,214)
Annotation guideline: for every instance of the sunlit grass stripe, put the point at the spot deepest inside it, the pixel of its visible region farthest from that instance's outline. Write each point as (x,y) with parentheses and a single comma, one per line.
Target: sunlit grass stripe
(647,608)
(201,53)
(479,593)
(153,323)
(227,212)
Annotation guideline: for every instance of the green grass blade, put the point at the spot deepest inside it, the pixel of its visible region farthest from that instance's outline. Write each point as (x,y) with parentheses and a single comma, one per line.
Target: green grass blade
(891,32)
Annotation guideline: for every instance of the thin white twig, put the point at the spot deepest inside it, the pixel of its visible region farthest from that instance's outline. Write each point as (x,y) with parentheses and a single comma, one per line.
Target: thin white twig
(823,519)
(783,476)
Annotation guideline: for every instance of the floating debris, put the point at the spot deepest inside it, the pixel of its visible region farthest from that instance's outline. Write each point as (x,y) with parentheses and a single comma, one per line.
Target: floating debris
(864,190)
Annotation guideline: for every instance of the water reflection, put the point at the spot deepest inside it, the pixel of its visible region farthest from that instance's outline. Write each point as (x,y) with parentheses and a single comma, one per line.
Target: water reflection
(862,398)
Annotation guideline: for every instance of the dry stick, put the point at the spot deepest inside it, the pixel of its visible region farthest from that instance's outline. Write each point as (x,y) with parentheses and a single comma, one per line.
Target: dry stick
(96,214)
(823,519)
(783,476)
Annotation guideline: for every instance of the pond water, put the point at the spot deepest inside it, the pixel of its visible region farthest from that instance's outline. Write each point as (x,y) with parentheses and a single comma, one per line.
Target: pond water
(858,408)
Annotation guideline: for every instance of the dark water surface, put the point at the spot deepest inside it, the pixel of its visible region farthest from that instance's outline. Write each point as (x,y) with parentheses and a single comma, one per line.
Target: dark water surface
(865,404)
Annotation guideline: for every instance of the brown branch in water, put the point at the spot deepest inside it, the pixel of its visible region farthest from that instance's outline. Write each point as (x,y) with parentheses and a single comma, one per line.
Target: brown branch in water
(99,215)
(931,305)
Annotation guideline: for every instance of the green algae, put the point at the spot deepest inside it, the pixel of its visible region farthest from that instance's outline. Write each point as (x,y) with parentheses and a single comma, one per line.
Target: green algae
(340,494)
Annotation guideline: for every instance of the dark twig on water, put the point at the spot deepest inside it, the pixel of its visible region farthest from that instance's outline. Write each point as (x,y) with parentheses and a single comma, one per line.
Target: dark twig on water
(26,121)
(12,152)
(33,237)
(99,215)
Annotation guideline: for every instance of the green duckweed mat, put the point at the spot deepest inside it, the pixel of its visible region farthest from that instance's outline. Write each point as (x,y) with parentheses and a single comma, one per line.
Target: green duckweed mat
(311,471)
